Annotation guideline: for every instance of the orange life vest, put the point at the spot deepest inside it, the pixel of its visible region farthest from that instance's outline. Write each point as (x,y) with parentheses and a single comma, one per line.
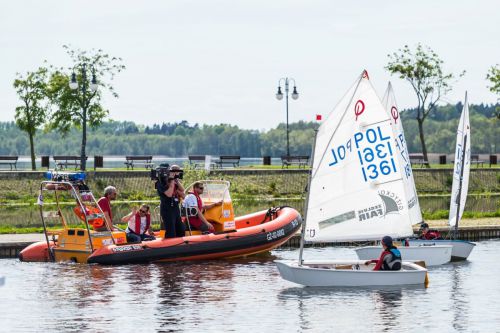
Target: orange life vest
(90,212)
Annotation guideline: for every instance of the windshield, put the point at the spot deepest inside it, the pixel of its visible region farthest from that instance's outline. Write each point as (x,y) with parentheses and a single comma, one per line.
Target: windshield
(214,190)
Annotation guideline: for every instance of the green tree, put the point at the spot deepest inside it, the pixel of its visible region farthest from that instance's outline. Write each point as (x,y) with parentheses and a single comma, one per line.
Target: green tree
(79,104)
(31,90)
(422,68)
(494,77)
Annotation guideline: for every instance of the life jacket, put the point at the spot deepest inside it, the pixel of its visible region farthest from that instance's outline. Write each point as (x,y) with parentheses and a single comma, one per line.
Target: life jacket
(195,221)
(137,223)
(91,213)
(432,234)
(392,260)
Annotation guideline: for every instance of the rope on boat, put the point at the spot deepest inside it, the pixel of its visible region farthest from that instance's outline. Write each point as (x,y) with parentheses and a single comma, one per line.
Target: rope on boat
(272,213)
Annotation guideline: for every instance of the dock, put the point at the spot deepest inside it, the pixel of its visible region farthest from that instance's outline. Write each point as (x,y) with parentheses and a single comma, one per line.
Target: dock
(468,233)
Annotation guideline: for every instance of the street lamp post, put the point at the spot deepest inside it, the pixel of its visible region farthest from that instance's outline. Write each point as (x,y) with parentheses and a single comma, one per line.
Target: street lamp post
(279,97)
(88,91)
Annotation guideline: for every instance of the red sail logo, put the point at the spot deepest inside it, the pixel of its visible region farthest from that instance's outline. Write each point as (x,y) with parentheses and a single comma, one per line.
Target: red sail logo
(359,108)
(395,114)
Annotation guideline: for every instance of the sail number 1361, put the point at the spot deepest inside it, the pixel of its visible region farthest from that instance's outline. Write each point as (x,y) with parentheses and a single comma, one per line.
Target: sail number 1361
(377,160)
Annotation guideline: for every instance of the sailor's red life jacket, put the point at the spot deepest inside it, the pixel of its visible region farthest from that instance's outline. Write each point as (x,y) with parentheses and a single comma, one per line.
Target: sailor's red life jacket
(137,224)
(431,234)
(195,221)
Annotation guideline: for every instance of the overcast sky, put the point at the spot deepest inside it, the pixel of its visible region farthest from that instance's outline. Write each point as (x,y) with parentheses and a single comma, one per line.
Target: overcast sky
(220,61)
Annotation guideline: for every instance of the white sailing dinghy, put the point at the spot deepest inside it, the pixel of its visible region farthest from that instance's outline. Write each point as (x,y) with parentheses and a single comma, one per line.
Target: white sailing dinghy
(356,193)
(461,249)
(431,254)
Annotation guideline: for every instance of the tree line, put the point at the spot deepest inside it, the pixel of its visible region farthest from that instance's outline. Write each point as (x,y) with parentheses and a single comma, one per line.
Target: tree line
(179,139)
(67,100)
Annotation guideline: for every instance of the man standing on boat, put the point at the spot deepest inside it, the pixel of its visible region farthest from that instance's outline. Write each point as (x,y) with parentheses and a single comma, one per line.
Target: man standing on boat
(390,259)
(105,204)
(170,191)
(193,199)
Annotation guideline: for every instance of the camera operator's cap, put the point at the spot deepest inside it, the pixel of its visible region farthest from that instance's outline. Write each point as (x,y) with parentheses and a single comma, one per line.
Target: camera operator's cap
(175,167)
(423,226)
(387,240)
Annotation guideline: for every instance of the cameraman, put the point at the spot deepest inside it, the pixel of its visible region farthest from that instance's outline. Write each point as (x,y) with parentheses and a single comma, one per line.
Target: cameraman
(170,191)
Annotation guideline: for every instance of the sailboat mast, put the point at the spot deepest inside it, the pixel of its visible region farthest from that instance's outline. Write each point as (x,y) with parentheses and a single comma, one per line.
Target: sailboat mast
(303,230)
(462,161)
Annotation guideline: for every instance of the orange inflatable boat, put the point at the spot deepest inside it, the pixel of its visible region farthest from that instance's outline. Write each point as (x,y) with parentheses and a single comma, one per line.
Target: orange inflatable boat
(233,237)
(258,232)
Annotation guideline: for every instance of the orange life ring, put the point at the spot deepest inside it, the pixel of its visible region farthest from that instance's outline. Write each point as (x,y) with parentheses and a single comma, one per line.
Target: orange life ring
(90,211)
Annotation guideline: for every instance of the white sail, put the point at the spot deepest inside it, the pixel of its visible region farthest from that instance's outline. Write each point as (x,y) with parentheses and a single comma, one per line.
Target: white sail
(391,107)
(461,169)
(356,189)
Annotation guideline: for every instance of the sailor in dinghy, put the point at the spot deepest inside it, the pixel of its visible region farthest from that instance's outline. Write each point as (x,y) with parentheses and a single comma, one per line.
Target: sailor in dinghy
(461,248)
(354,169)
(390,259)
(432,254)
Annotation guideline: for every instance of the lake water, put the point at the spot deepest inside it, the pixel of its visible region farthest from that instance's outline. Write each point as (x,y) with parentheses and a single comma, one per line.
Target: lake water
(245,295)
(24,162)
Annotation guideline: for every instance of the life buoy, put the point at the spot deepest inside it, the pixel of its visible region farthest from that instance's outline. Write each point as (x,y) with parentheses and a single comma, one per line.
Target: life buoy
(90,212)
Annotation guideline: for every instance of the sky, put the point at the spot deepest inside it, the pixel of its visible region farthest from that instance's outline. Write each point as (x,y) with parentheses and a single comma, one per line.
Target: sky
(219,61)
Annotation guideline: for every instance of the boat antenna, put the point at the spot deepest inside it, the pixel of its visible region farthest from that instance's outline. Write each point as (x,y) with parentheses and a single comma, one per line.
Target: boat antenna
(306,204)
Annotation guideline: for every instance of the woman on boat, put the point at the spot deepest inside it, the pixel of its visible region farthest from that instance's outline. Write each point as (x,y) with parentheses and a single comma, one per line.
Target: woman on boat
(390,259)
(139,225)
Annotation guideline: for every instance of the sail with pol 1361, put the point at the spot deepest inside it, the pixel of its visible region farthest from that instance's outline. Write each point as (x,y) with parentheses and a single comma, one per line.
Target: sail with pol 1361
(389,102)
(357,187)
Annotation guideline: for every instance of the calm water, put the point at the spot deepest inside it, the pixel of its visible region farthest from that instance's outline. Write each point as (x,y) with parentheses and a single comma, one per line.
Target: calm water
(24,162)
(243,296)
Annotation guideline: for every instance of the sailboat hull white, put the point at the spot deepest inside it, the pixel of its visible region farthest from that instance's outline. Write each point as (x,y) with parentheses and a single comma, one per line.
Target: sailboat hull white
(460,249)
(348,273)
(432,255)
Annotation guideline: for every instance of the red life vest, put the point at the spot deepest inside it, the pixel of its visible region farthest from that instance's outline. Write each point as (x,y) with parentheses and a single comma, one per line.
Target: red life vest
(137,229)
(432,234)
(195,221)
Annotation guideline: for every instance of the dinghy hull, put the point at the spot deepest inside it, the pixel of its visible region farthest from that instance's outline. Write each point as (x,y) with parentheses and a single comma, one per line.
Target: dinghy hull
(351,273)
(460,249)
(432,255)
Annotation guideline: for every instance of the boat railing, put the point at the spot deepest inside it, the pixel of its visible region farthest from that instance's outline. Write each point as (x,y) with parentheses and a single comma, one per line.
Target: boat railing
(83,198)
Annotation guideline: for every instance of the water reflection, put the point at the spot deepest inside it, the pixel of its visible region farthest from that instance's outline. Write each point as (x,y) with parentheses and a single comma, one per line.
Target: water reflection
(387,305)
(459,297)
(243,295)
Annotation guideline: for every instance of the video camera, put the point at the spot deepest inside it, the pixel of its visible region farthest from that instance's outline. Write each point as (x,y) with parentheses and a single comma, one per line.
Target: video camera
(163,173)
